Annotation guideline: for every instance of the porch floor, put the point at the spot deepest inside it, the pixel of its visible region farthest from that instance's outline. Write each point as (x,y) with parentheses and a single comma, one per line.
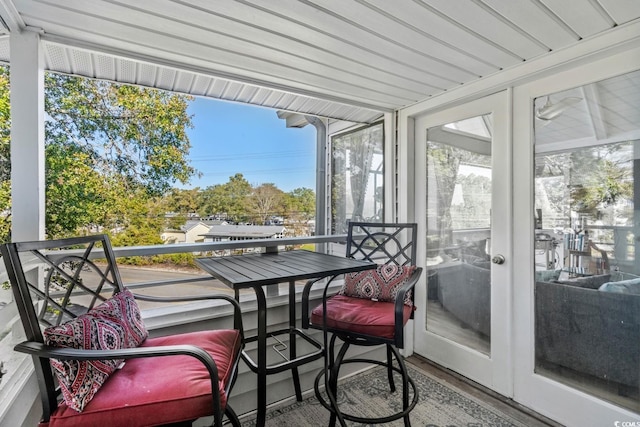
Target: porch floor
(489,397)
(445,407)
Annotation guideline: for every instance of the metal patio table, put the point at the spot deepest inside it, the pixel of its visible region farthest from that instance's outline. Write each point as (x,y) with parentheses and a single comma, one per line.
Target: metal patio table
(255,270)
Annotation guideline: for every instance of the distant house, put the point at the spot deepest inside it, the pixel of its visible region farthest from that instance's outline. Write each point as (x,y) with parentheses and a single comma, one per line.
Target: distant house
(222,233)
(190,232)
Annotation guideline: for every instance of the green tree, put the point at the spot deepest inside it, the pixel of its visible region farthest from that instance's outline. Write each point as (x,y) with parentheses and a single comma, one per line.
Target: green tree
(230,198)
(301,204)
(266,200)
(135,132)
(110,149)
(182,203)
(77,194)
(300,207)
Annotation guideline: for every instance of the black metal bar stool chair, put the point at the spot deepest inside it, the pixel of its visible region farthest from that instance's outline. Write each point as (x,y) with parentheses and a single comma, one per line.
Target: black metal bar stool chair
(371,309)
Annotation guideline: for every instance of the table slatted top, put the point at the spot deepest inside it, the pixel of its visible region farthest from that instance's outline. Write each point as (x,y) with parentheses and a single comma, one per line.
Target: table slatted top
(250,270)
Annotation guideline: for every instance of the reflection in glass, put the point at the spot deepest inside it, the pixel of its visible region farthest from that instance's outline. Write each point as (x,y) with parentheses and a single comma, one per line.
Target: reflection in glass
(587,290)
(357,186)
(458,232)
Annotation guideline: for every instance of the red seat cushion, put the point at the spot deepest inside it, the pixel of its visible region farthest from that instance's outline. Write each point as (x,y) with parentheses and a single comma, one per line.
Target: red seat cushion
(159,390)
(375,318)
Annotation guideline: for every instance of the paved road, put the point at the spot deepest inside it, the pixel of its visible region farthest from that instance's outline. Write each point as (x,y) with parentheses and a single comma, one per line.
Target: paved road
(133,275)
(150,274)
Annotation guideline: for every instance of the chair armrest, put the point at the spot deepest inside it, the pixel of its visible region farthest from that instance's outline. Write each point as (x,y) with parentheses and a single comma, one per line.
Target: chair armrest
(41,350)
(399,305)
(237,313)
(306,291)
(305,301)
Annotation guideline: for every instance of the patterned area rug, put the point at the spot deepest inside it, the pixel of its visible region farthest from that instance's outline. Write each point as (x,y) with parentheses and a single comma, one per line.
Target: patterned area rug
(367,394)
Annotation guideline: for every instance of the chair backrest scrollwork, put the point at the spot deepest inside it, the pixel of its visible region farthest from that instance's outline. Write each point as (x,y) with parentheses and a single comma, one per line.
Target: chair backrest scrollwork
(382,243)
(57,280)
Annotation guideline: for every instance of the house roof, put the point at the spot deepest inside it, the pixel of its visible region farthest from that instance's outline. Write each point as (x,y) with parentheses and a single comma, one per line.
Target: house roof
(350,60)
(251,231)
(190,224)
(187,226)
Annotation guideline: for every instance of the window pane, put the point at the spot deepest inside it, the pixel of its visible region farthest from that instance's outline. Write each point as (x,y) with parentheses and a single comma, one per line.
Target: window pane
(587,290)
(357,178)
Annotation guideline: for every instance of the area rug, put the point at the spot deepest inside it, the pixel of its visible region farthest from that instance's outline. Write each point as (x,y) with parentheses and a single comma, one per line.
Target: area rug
(367,395)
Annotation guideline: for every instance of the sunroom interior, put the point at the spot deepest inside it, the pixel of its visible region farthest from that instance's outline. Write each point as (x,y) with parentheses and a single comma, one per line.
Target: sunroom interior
(508,131)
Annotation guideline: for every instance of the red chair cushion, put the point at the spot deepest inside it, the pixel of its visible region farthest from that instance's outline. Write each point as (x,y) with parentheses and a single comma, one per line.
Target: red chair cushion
(363,316)
(159,390)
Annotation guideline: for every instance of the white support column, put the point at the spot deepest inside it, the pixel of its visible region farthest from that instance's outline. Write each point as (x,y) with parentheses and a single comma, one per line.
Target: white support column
(405,170)
(27,137)
(391,171)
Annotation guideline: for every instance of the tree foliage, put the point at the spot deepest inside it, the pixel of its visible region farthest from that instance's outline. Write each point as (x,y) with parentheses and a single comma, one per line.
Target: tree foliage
(229,199)
(110,149)
(602,176)
(586,184)
(301,203)
(77,195)
(137,133)
(265,201)
(239,201)
(183,201)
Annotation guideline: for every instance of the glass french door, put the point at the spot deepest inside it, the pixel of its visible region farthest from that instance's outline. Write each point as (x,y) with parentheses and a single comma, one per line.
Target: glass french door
(463,201)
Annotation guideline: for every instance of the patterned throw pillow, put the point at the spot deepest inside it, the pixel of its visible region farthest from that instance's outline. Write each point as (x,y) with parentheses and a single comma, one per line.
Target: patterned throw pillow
(381,284)
(114,324)
(124,308)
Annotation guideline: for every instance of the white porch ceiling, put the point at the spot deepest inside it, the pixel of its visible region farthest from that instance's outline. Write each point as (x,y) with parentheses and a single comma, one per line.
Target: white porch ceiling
(344,59)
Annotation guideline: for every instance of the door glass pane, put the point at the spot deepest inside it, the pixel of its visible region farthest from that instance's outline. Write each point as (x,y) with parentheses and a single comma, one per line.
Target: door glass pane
(587,277)
(459,231)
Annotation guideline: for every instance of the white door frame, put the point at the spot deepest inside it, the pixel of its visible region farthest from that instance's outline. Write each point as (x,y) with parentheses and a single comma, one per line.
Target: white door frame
(493,371)
(548,397)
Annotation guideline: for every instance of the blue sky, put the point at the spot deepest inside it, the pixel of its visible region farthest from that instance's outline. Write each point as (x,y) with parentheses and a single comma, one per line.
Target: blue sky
(230,138)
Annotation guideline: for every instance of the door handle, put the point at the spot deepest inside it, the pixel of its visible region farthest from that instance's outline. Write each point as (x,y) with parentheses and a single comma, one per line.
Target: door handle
(498,259)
